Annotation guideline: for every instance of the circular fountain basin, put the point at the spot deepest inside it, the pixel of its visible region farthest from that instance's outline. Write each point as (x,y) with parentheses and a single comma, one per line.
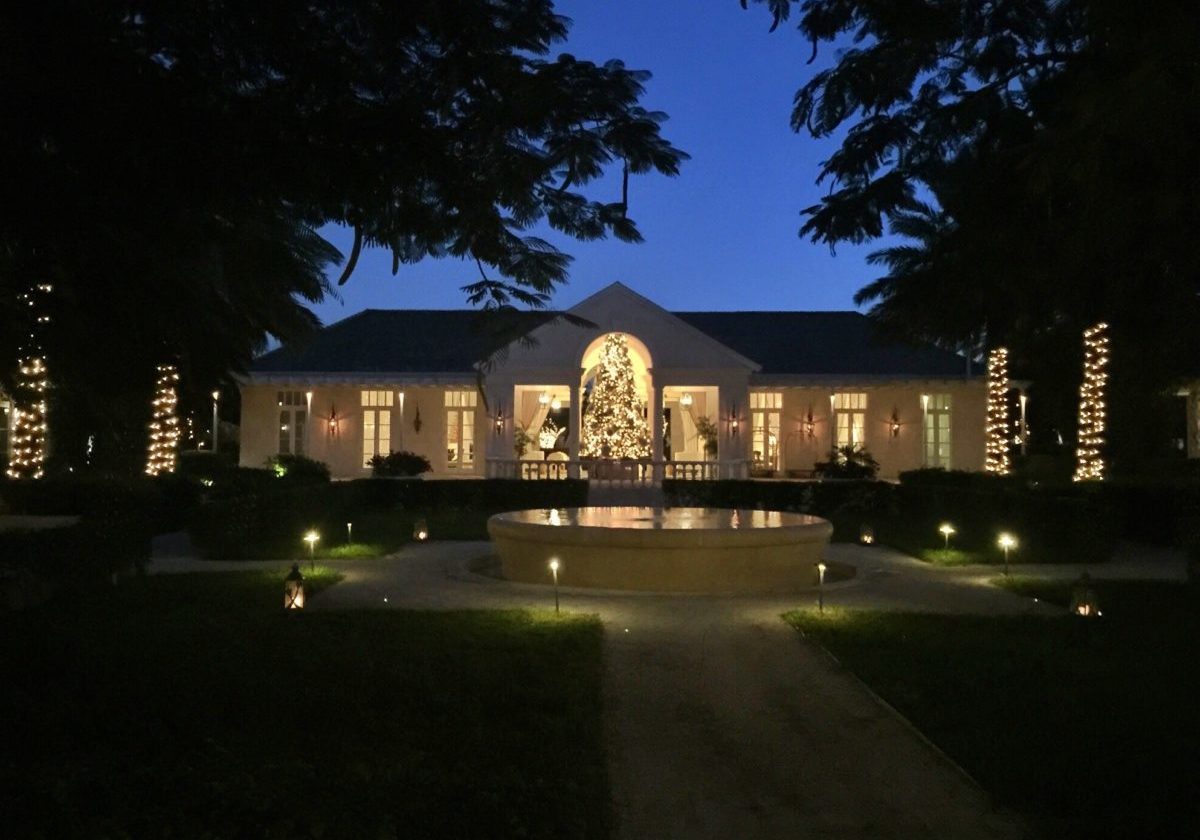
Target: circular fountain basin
(662,549)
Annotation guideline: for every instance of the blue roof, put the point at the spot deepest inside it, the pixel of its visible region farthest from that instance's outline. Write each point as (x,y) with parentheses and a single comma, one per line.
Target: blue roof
(453,340)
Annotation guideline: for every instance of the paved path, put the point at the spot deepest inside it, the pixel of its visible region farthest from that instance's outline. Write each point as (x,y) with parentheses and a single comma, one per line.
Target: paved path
(721,721)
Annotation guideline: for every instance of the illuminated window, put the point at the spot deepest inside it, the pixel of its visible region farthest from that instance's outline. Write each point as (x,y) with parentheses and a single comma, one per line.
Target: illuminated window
(377,424)
(293,421)
(937,431)
(765,409)
(850,418)
(460,429)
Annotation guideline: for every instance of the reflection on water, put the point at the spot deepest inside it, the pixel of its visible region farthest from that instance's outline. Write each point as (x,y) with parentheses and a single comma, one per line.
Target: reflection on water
(659,518)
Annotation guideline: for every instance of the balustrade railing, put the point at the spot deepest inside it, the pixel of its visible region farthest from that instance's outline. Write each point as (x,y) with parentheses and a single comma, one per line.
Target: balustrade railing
(624,472)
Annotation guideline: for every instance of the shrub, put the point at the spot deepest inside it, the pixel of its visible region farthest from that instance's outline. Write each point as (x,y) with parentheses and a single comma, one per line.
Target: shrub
(298,468)
(397,464)
(849,462)
(494,494)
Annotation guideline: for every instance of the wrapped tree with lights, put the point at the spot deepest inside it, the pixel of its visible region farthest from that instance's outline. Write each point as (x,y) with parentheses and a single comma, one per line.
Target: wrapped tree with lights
(27,450)
(164,426)
(1089,464)
(614,425)
(997,461)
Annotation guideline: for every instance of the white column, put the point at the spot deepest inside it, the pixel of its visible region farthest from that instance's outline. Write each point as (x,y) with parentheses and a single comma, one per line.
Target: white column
(654,407)
(576,421)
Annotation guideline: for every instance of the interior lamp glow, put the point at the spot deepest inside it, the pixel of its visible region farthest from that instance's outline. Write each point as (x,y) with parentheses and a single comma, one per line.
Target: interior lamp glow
(947,531)
(555,404)
(997,461)
(1089,465)
(543,399)
(686,400)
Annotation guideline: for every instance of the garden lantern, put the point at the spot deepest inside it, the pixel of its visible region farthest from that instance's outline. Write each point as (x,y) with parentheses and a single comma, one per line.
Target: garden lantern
(421,530)
(947,531)
(293,589)
(866,534)
(554,571)
(311,538)
(1083,597)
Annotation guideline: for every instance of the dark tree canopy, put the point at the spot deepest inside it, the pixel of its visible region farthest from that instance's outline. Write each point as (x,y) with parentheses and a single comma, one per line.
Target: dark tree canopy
(167,165)
(1038,157)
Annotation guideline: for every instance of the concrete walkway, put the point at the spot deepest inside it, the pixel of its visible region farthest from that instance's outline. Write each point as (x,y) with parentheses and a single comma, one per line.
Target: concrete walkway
(720,720)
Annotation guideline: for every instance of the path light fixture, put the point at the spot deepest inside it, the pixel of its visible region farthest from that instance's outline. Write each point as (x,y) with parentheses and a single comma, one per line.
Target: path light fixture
(821,567)
(947,531)
(349,533)
(293,589)
(311,538)
(1083,597)
(421,530)
(554,571)
(1007,542)
(216,397)
(866,534)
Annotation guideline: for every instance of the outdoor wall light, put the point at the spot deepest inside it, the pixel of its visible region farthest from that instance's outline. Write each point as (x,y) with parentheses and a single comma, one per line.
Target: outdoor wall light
(293,589)
(733,420)
(498,420)
(421,530)
(947,531)
(894,424)
(332,423)
(686,400)
(809,425)
(311,538)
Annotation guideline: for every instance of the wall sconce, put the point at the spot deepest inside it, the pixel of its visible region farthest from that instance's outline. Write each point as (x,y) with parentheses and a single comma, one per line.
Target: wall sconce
(686,400)
(894,424)
(543,399)
(733,420)
(808,425)
(332,423)
(498,420)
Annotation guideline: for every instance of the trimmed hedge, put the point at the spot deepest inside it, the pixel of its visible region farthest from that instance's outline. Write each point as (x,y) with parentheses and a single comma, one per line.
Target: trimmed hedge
(494,494)
(269,524)
(1051,527)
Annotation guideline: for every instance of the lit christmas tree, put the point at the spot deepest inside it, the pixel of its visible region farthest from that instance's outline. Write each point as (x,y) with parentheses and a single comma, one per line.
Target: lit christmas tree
(164,427)
(614,425)
(27,453)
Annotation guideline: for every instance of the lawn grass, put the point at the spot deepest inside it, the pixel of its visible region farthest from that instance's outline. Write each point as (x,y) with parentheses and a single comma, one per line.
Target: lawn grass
(951,556)
(1088,727)
(195,706)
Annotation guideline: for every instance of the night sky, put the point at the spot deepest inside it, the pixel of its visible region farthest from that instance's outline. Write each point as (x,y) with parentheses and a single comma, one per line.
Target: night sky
(723,235)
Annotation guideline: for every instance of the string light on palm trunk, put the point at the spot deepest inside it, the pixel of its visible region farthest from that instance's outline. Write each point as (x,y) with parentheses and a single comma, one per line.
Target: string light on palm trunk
(164,426)
(1089,464)
(998,462)
(27,448)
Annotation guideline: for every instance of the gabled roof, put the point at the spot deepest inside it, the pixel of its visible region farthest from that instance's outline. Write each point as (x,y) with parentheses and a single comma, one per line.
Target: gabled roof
(452,341)
(822,344)
(400,341)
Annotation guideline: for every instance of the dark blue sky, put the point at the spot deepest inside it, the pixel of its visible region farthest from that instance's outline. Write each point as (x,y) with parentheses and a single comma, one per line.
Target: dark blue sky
(723,235)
